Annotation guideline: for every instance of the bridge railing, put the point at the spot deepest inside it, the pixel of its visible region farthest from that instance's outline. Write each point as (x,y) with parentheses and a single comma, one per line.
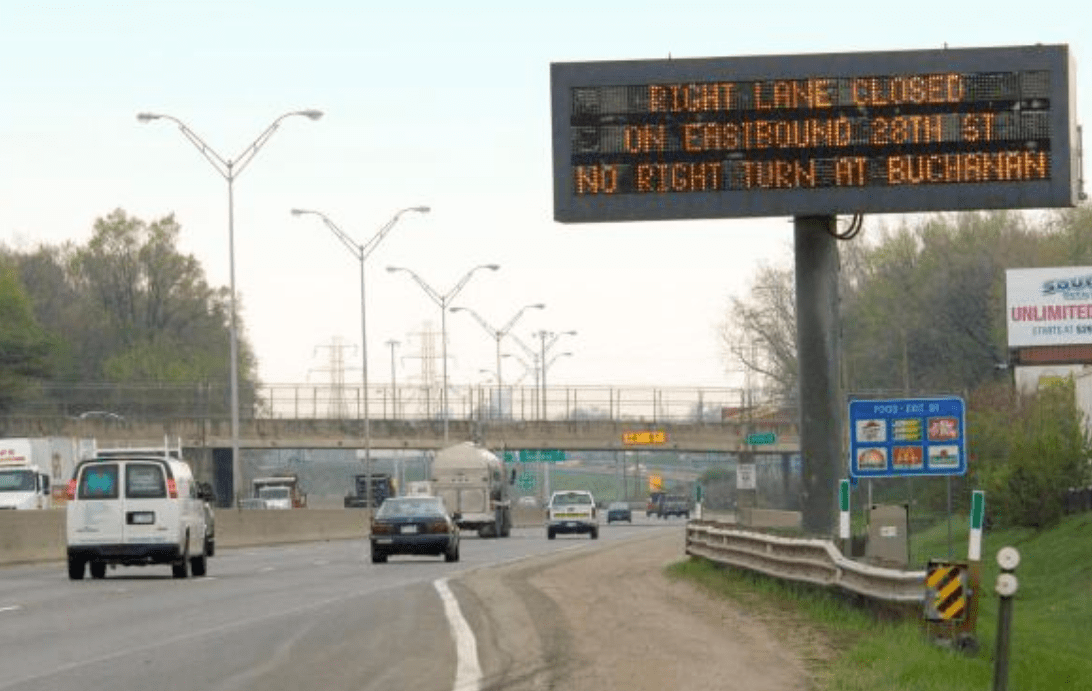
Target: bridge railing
(404,402)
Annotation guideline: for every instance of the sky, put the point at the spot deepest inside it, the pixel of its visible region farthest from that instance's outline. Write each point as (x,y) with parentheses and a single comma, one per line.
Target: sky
(440,104)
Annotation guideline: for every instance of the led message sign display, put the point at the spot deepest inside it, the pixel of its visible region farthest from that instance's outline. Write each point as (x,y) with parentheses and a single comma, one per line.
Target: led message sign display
(814,134)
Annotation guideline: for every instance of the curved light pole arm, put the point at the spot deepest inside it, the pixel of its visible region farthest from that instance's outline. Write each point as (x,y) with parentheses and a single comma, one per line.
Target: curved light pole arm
(512,322)
(433,295)
(526,348)
(251,151)
(466,279)
(493,333)
(371,244)
(222,167)
(338,232)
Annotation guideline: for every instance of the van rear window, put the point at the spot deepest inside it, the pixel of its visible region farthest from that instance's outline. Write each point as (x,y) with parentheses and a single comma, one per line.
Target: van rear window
(99,481)
(144,481)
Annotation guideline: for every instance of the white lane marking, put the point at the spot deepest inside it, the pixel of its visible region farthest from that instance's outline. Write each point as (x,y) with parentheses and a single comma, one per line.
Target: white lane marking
(11,608)
(468,673)
(267,569)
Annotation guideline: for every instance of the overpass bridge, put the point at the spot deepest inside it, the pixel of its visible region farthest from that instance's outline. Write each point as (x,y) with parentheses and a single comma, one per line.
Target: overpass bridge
(305,416)
(311,433)
(308,417)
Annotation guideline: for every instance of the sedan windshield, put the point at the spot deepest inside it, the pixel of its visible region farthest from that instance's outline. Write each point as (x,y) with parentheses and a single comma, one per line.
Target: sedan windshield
(411,506)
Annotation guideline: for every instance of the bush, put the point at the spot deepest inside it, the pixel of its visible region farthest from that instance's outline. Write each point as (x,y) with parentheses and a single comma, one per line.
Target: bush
(1038,452)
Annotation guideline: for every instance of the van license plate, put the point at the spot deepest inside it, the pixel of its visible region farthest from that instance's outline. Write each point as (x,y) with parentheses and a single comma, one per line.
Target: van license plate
(409,529)
(141,518)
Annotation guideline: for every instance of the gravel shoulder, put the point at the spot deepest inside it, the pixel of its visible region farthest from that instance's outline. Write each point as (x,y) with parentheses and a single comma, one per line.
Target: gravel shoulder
(604,617)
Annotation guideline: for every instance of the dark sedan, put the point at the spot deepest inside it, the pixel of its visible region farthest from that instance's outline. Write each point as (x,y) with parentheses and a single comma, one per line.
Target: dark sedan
(414,525)
(619,511)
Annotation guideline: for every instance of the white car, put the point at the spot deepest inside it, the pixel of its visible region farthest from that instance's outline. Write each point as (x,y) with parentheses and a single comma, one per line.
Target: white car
(135,507)
(572,511)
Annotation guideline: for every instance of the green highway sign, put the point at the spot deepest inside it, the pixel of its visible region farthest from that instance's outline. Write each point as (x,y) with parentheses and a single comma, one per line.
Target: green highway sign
(526,481)
(761,438)
(534,456)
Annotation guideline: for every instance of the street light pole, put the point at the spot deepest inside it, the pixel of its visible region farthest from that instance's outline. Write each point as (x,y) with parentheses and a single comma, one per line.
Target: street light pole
(394,383)
(543,349)
(361,252)
(443,300)
(230,169)
(498,335)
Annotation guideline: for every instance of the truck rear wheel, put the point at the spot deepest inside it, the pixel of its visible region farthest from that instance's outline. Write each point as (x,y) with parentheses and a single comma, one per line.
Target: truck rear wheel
(181,568)
(76,568)
(98,569)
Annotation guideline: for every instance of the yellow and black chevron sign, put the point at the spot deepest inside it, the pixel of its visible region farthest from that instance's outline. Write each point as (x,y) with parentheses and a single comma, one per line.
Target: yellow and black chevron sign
(946,591)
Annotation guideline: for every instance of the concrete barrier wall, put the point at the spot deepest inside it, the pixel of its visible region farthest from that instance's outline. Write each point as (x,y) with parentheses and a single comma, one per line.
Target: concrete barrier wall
(30,536)
(38,536)
(236,528)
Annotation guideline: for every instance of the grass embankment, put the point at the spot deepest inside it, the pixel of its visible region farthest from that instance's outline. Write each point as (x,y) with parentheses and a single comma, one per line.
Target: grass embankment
(1051,644)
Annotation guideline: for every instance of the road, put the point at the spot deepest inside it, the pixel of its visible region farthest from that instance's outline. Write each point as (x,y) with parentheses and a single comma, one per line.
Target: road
(320,615)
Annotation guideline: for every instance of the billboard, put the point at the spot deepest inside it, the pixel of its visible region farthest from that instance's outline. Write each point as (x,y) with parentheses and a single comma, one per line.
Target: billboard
(827,134)
(1049,307)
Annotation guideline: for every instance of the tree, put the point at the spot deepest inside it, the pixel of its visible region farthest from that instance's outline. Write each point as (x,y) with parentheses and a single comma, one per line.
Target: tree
(165,321)
(760,333)
(24,347)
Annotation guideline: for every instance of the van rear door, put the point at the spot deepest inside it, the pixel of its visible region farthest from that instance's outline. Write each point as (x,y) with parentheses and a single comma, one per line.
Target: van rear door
(96,518)
(150,514)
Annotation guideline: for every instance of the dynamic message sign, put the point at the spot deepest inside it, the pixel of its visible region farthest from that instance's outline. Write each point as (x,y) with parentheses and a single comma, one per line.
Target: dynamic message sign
(907,436)
(800,135)
(1049,306)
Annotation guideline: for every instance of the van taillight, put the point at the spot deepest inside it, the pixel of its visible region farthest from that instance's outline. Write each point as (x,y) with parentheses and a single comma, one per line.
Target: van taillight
(71,491)
(172,488)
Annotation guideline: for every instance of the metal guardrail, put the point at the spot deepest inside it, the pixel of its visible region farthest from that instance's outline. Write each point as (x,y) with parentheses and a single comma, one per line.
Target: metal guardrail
(805,560)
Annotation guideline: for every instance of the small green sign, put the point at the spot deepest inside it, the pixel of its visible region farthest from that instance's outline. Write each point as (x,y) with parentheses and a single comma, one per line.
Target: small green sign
(541,455)
(526,481)
(759,438)
(843,495)
(978,509)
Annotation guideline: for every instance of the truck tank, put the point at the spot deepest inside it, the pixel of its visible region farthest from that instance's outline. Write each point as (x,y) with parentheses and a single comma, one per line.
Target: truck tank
(474,486)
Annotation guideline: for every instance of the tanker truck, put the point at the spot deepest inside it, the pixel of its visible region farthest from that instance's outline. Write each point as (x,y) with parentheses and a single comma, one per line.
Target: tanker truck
(474,487)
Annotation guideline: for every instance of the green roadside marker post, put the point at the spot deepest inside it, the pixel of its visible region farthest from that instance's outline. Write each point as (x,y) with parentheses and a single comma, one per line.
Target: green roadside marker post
(843,510)
(978,513)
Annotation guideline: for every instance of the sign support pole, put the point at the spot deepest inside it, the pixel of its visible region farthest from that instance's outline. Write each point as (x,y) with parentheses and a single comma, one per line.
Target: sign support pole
(817,350)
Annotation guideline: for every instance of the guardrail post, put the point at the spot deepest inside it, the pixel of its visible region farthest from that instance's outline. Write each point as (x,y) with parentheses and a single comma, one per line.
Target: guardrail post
(1008,559)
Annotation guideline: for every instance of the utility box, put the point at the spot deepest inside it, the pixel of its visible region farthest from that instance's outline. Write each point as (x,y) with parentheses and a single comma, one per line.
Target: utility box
(888,541)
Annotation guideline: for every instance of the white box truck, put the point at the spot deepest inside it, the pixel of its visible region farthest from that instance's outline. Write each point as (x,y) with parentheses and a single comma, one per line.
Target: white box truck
(25,479)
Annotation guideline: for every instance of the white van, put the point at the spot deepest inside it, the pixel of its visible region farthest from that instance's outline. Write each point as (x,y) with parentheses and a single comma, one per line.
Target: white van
(135,507)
